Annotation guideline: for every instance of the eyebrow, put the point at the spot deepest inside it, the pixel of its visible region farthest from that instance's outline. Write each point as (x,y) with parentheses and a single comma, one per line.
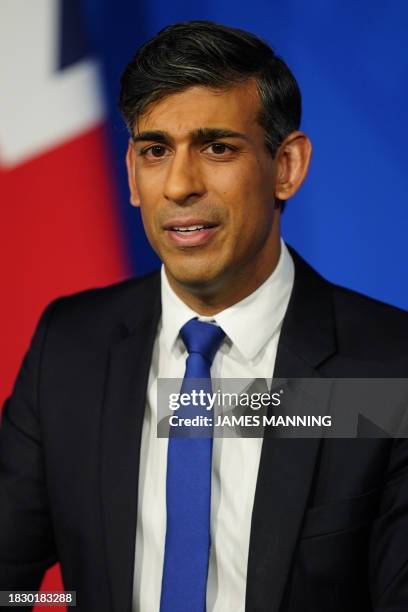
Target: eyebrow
(199,136)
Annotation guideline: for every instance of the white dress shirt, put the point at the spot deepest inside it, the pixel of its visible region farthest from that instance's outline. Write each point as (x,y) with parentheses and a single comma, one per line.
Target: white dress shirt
(252,327)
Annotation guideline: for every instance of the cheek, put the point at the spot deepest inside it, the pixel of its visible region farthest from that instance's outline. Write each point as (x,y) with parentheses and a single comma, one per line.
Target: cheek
(148,183)
(149,195)
(150,225)
(232,188)
(250,209)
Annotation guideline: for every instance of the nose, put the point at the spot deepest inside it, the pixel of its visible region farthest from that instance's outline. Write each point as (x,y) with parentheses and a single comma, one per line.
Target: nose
(184,182)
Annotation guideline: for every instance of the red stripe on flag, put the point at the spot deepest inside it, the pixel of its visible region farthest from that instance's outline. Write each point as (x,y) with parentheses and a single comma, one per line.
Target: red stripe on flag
(59,234)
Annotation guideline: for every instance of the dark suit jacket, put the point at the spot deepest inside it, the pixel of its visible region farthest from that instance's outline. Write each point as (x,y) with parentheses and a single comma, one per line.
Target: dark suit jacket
(330,518)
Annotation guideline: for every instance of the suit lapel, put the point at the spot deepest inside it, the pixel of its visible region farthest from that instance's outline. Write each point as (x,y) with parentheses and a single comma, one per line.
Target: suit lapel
(122,420)
(287,465)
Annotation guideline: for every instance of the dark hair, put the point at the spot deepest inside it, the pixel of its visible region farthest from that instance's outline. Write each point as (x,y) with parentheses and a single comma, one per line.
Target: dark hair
(205,53)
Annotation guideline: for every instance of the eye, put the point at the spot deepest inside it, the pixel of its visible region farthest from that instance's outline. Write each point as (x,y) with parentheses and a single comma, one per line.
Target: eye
(154,151)
(218,147)
(157,150)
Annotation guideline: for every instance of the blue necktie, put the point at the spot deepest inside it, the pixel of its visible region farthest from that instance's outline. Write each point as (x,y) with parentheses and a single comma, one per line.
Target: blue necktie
(188,486)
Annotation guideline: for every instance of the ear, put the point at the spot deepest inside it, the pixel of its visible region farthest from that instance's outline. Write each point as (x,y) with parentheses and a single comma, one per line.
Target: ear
(292,163)
(130,165)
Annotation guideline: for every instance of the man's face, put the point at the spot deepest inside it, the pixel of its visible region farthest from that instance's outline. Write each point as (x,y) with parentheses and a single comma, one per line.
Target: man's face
(205,183)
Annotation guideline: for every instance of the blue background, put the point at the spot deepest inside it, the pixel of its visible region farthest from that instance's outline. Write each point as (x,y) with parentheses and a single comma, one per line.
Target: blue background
(350,218)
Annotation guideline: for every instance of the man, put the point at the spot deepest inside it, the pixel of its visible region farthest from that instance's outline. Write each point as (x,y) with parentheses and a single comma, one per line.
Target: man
(293,524)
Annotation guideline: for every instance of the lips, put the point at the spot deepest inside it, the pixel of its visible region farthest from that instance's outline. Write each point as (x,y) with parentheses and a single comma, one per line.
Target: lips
(189,224)
(191,228)
(189,232)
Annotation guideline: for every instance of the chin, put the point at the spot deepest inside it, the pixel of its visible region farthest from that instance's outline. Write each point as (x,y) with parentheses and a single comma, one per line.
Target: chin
(197,278)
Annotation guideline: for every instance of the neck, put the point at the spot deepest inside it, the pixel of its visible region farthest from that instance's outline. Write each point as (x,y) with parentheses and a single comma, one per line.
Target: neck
(209,301)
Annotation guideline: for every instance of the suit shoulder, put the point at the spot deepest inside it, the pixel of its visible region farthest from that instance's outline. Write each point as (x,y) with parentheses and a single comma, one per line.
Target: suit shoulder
(367,308)
(356,316)
(114,293)
(99,310)
(369,323)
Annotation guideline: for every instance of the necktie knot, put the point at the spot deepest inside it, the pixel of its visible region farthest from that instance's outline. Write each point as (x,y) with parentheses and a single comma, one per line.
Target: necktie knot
(203,338)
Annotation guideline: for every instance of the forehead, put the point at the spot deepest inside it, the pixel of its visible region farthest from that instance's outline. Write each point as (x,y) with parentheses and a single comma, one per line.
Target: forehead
(198,107)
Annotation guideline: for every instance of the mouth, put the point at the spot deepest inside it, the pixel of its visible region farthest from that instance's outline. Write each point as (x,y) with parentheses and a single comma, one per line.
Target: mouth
(189,232)
(190,228)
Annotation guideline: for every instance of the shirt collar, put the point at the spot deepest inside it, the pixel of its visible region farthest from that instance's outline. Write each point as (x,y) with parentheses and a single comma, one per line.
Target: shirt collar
(250,323)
